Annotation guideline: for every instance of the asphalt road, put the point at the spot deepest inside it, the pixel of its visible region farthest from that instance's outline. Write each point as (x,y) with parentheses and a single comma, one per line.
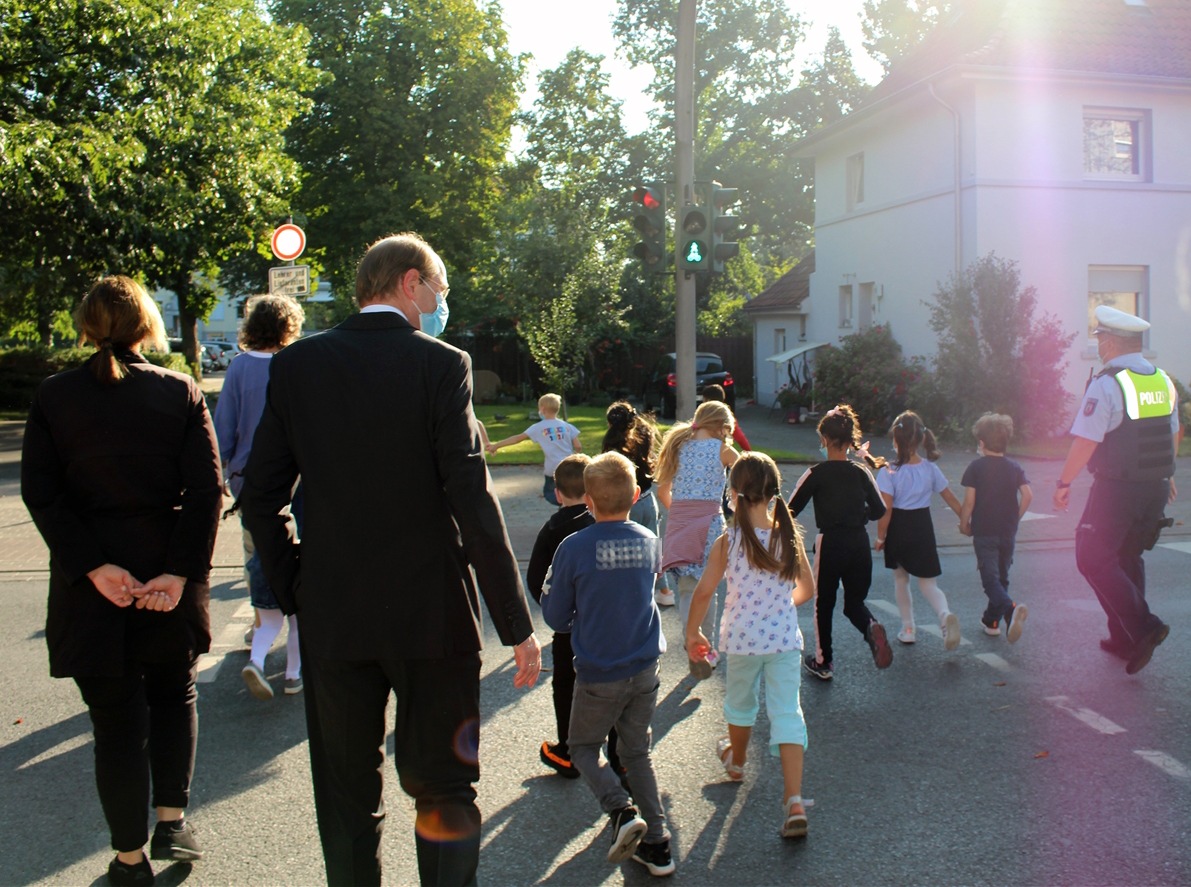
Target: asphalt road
(1039,763)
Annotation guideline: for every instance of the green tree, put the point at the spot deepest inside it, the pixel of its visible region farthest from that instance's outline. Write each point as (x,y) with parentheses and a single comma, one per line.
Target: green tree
(410,133)
(894,27)
(994,352)
(143,137)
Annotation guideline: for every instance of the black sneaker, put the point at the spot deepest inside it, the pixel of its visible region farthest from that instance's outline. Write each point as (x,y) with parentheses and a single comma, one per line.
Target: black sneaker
(176,841)
(821,670)
(991,627)
(121,874)
(560,761)
(656,858)
(879,644)
(628,828)
(1145,648)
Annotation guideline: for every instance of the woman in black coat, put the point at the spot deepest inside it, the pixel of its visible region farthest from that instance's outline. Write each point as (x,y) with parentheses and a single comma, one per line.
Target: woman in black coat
(120,472)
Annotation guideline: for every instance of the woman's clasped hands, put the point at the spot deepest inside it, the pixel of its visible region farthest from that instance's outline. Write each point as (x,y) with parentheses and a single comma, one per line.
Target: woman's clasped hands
(123,589)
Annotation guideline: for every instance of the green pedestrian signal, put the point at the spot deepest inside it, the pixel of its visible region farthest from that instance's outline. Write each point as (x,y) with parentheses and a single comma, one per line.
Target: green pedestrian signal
(694,233)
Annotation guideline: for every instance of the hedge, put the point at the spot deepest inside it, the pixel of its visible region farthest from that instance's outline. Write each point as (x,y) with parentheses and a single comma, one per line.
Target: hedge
(22,368)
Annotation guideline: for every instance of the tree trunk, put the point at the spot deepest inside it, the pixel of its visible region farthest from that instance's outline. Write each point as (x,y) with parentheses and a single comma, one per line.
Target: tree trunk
(189,329)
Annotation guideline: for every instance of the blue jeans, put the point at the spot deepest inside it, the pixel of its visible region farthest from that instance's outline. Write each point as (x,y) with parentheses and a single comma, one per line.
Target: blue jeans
(628,706)
(548,489)
(994,557)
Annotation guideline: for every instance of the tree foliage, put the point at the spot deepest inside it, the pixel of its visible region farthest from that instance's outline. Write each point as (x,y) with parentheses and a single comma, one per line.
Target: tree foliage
(994,353)
(142,137)
(410,132)
(894,27)
(867,371)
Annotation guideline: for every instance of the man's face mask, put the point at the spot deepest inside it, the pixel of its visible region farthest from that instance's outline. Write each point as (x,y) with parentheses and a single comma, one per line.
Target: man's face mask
(435,322)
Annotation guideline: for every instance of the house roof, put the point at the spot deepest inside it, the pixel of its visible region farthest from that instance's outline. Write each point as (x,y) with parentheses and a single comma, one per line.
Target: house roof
(1137,38)
(788,291)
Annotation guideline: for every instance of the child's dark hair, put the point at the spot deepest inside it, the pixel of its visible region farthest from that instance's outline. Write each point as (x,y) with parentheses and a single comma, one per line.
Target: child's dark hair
(568,476)
(909,433)
(841,427)
(755,478)
(630,434)
(994,430)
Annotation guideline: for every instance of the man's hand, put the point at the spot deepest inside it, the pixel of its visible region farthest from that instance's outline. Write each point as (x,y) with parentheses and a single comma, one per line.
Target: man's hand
(528,656)
(115,583)
(1061,498)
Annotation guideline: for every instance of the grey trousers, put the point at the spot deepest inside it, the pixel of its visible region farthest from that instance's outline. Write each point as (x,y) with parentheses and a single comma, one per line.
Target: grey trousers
(628,706)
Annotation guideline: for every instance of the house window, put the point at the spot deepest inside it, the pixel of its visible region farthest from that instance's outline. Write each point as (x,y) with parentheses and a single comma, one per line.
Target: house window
(855,180)
(866,305)
(845,306)
(1116,144)
(1121,286)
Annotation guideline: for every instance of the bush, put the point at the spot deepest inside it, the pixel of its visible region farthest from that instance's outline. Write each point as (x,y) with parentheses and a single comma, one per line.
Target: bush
(867,371)
(994,354)
(23,367)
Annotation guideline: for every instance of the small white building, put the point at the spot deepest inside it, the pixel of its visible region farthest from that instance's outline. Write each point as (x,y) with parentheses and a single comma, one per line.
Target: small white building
(1054,133)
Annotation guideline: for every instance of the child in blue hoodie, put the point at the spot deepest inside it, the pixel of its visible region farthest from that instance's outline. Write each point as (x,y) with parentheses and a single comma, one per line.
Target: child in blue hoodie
(600,588)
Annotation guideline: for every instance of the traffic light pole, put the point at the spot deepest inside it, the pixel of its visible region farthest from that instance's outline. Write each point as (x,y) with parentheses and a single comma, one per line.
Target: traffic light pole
(684,127)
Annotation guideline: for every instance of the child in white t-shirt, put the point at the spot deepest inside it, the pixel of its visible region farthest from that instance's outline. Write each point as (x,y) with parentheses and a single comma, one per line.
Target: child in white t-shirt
(557,438)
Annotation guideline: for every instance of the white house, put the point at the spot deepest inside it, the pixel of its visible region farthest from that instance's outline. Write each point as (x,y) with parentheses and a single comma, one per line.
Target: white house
(1055,133)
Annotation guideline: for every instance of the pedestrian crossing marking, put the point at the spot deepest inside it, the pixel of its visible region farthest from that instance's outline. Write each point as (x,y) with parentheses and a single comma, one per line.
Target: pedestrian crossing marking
(1034,515)
(1097,722)
(994,660)
(1184,547)
(1163,762)
(892,609)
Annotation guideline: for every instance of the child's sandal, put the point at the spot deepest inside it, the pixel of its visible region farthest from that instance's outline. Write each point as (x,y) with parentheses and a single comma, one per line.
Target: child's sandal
(723,748)
(795,825)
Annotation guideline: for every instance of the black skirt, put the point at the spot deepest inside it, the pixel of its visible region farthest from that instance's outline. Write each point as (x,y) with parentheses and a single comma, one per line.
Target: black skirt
(910,543)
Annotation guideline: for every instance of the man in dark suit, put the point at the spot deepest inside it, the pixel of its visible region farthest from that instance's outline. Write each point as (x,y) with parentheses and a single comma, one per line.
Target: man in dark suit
(376,417)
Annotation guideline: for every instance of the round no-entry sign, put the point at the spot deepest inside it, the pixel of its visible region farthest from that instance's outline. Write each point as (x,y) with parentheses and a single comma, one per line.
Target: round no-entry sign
(288,242)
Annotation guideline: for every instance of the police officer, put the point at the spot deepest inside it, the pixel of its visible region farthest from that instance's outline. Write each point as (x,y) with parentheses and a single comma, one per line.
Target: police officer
(1126,433)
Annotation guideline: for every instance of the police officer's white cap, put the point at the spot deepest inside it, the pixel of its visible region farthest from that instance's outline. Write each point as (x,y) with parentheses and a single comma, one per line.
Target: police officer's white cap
(1116,322)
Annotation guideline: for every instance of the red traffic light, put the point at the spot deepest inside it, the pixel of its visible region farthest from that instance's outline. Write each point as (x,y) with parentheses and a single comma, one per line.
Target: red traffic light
(647,198)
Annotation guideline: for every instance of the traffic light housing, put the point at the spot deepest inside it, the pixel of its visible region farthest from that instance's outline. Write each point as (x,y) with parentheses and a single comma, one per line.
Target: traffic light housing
(649,218)
(694,233)
(724,227)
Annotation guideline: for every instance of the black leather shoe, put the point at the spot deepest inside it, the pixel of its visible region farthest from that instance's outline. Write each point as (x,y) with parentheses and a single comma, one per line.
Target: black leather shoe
(176,841)
(1145,649)
(120,874)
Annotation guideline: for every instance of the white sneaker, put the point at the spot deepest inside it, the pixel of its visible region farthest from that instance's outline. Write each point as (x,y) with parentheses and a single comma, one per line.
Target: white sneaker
(664,598)
(1017,622)
(950,631)
(906,635)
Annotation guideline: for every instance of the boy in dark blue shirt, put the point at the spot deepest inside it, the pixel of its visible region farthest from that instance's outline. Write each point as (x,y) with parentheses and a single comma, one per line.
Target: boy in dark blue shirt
(996,495)
(600,588)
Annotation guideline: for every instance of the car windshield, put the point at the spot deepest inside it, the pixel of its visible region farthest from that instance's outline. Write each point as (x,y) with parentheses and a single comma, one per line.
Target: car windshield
(708,365)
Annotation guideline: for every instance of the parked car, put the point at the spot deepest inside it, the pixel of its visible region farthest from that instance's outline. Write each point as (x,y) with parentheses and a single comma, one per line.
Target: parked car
(226,351)
(209,356)
(661,389)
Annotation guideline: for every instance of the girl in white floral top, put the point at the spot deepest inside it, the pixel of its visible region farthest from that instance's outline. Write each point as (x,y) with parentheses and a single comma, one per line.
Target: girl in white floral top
(768,576)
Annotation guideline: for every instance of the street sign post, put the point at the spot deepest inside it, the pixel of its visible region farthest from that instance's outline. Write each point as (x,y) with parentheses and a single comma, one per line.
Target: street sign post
(289,280)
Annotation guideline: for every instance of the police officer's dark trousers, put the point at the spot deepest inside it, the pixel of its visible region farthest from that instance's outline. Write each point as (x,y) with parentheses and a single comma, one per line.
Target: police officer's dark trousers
(1118,524)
